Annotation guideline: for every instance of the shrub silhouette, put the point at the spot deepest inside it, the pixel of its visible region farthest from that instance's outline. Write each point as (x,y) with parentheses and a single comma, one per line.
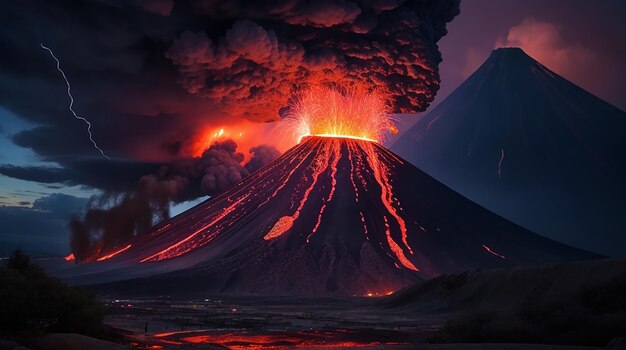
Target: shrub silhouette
(32,301)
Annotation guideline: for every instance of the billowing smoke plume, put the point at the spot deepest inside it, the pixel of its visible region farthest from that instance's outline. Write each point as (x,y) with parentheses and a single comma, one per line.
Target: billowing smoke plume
(266,50)
(261,155)
(114,218)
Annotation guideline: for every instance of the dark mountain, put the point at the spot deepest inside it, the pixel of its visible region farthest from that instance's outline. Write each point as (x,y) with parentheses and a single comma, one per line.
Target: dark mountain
(332,216)
(531,146)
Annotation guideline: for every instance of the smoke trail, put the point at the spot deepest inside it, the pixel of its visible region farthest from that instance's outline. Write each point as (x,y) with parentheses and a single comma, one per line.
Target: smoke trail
(114,218)
(69,93)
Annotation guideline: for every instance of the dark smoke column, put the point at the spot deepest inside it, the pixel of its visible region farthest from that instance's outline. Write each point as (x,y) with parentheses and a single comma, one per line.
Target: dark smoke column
(264,52)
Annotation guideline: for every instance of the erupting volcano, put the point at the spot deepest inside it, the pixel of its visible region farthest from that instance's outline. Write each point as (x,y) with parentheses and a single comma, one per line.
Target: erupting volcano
(338,214)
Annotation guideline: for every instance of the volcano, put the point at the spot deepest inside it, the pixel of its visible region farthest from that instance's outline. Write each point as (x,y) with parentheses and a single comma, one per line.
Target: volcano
(331,216)
(524,142)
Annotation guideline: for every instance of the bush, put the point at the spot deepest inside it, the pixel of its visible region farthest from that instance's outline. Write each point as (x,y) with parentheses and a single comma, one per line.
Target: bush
(32,301)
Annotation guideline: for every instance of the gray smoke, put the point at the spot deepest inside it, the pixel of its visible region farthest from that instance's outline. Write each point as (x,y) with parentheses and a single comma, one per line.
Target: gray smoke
(114,218)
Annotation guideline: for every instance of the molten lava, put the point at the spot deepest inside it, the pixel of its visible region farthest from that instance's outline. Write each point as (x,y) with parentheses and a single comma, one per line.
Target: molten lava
(340,112)
(279,340)
(337,214)
(114,253)
(326,159)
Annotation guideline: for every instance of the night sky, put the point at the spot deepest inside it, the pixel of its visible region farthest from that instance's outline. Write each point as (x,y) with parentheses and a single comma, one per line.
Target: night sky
(160,79)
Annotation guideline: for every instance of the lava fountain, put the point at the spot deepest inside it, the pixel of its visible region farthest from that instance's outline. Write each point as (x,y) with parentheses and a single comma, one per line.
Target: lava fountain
(340,112)
(337,214)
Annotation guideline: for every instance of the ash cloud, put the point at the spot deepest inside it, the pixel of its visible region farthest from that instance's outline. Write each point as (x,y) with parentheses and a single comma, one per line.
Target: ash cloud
(271,49)
(261,155)
(116,217)
(151,75)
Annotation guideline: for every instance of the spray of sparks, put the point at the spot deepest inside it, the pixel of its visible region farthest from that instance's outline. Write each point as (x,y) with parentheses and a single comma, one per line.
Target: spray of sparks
(71,105)
(340,112)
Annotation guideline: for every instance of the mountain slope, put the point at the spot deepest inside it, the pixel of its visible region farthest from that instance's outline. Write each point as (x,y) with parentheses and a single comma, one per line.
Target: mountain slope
(522,141)
(332,216)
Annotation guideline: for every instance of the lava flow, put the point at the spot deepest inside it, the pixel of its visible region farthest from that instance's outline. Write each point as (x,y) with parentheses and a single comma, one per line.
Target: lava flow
(336,214)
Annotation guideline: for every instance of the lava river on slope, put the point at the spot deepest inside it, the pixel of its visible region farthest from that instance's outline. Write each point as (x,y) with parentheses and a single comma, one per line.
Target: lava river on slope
(331,216)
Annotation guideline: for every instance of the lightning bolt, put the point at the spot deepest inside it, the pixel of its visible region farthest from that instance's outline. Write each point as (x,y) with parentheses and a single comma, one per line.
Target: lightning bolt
(500,163)
(71,106)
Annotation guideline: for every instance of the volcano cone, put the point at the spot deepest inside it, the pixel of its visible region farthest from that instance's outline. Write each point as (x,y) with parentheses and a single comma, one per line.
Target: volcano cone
(331,216)
(524,142)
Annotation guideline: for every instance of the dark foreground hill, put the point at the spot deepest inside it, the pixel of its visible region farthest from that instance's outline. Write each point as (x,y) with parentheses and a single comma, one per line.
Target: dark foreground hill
(577,303)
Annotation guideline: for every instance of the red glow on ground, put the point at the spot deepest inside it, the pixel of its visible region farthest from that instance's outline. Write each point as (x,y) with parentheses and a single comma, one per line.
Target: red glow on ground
(286,222)
(378,294)
(70,257)
(494,253)
(108,256)
(273,340)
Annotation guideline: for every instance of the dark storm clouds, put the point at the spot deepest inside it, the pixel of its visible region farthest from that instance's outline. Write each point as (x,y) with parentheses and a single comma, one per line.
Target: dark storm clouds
(273,47)
(41,229)
(110,175)
(148,74)
(151,75)
(220,166)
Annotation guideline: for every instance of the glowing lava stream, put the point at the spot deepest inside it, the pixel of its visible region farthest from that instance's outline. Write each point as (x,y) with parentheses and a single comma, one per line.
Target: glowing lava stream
(333,184)
(494,253)
(328,157)
(286,222)
(235,209)
(313,167)
(108,256)
(387,194)
(179,248)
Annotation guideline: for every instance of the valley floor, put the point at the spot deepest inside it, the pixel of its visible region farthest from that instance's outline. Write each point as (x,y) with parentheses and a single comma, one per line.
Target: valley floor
(268,323)
(282,323)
